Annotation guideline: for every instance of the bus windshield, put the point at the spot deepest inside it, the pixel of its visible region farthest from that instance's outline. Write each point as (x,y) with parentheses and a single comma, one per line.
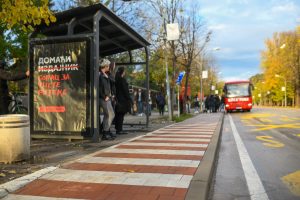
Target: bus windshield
(238,90)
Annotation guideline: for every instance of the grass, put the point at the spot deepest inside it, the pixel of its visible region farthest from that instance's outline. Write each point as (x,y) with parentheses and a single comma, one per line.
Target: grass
(182,117)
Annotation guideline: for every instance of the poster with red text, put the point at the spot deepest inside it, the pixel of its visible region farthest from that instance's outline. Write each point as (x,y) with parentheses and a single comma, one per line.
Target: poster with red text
(60,86)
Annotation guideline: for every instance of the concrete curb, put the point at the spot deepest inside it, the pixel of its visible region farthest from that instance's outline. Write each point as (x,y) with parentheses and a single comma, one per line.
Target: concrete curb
(200,184)
(18,183)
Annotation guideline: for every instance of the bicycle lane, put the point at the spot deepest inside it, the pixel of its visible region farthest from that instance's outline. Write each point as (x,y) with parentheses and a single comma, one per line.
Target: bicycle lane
(159,165)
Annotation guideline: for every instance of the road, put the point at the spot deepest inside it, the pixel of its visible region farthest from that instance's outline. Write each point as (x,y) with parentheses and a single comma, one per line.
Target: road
(259,156)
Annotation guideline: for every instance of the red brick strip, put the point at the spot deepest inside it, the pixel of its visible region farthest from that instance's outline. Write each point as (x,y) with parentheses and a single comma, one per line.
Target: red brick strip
(166,136)
(161,147)
(185,132)
(170,141)
(152,156)
(96,191)
(131,168)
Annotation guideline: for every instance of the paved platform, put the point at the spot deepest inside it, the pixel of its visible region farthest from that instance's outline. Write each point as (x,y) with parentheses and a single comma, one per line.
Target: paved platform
(158,166)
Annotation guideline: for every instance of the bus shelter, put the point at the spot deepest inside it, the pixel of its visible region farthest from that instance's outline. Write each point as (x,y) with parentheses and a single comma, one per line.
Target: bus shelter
(64,64)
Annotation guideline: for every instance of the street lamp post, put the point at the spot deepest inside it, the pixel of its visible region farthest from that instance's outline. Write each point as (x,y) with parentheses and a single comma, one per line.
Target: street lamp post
(278,76)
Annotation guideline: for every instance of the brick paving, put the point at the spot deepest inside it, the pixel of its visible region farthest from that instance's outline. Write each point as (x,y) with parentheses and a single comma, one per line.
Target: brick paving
(157,166)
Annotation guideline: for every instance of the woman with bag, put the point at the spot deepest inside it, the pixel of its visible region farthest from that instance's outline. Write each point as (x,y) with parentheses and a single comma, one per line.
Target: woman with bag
(123,100)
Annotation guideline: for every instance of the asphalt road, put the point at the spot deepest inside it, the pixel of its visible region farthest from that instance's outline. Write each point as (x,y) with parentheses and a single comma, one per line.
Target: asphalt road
(259,156)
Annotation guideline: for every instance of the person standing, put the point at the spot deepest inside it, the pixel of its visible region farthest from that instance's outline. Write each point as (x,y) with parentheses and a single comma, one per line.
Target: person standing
(161,102)
(4,92)
(140,100)
(105,95)
(150,103)
(123,99)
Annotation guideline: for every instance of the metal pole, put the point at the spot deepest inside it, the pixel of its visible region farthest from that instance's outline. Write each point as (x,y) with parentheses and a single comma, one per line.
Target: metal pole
(167,72)
(167,83)
(284,92)
(147,85)
(201,90)
(95,83)
(178,100)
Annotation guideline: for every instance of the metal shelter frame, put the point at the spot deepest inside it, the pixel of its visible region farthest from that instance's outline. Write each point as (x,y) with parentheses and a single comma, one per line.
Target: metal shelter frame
(109,36)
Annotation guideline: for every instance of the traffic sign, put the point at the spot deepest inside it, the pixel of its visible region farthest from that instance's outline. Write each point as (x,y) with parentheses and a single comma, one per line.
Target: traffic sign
(180,77)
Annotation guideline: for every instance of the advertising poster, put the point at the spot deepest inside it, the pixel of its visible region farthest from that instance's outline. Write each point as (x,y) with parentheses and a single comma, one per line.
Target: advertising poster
(60,86)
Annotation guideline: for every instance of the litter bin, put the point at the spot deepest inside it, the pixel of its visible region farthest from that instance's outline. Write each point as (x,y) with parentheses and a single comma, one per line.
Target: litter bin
(14,138)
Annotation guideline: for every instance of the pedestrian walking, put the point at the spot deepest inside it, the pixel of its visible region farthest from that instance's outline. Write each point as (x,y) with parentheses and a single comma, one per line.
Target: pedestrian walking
(123,100)
(188,104)
(161,102)
(105,99)
(196,104)
(4,92)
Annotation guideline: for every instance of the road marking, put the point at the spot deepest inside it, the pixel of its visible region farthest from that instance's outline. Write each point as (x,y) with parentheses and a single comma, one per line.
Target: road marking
(166,144)
(292,181)
(257,115)
(137,161)
(265,127)
(175,139)
(158,151)
(265,120)
(255,186)
(123,178)
(269,142)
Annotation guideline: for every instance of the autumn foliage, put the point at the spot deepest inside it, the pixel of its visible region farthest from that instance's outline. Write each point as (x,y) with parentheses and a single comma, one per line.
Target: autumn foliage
(280,62)
(25,13)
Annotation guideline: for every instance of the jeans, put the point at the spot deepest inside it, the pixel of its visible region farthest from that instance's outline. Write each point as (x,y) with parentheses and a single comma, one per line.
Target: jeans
(108,112)
(140,107)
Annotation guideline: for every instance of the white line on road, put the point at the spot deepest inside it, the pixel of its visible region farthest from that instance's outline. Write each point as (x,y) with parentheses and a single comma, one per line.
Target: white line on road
(255,186)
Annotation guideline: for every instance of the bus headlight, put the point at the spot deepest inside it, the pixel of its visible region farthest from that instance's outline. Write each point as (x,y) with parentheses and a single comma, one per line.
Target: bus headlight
(249,104)
(226,105)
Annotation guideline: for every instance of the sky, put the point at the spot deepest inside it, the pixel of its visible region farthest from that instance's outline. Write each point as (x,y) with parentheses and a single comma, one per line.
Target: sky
(240,28)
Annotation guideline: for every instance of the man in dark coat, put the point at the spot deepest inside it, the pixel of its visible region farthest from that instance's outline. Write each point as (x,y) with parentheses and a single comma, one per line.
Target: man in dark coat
(160,100)
(4,93)
(123,99)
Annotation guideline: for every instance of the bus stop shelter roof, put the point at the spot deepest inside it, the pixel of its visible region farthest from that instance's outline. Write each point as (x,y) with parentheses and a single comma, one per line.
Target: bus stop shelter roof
(115,36)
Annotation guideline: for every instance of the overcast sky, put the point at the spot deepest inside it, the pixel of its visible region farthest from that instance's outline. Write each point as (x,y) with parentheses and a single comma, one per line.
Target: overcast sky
(240,28)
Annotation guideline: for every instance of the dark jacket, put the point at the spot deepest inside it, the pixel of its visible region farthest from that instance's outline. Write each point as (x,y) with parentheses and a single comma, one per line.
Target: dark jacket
(104,86)
(143,96)
(4,77)
(124,101)
(160,100)
(7,76)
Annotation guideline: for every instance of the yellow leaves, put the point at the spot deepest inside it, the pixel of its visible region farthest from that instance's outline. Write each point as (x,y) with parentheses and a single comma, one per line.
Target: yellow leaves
(25,13)
(52,18)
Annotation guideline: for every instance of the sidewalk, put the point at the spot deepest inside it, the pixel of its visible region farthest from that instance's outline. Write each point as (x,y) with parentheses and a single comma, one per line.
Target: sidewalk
(161,165)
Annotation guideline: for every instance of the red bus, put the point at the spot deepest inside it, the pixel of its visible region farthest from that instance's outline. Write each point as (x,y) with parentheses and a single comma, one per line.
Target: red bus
(237,96)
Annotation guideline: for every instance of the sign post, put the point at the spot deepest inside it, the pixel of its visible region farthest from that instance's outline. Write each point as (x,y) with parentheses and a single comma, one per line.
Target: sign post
(171,33)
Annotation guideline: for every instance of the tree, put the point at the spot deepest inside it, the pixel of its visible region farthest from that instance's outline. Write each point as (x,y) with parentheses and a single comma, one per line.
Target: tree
(24,13)
(281,57)
(191,43)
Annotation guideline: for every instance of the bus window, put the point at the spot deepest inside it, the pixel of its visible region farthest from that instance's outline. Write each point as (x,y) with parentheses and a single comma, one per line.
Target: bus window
(237,90)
